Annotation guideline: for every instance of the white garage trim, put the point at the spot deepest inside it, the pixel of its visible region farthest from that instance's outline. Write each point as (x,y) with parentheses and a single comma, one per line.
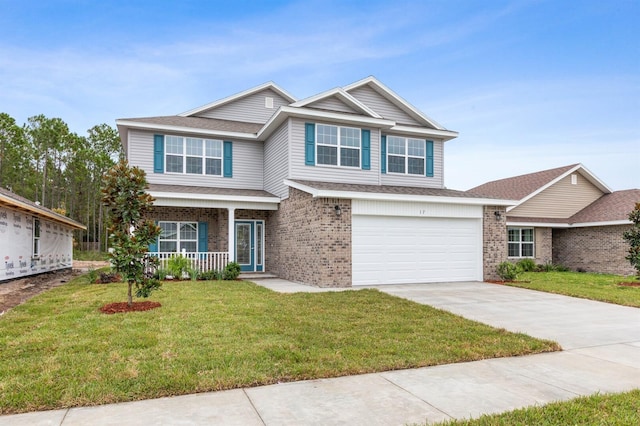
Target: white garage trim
(412,209)
(403,250)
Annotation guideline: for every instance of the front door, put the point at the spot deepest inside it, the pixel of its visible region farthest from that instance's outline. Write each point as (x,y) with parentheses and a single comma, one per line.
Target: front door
(250,245)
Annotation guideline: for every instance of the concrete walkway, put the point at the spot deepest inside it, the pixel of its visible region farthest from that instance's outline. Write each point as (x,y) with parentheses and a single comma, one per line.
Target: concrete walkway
(602,354)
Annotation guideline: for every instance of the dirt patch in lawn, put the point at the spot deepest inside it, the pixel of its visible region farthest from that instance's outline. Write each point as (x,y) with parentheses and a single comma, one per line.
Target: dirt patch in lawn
(122,307)
(15,292)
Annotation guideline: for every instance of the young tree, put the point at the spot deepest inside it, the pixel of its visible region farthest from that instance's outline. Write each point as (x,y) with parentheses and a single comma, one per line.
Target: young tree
(130,233)
(632,236)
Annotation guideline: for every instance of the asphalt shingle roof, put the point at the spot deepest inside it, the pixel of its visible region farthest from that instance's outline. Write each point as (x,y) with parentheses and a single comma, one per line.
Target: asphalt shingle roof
(518,187)
(206,190)
(610,207)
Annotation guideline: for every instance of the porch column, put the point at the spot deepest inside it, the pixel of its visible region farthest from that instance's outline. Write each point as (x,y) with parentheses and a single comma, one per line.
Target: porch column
(232,235)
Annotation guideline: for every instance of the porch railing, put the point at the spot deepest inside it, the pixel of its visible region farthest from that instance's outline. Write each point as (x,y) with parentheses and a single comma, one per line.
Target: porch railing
(202,261)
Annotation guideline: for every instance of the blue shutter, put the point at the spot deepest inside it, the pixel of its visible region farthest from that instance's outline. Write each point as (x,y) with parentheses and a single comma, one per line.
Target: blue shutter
(158,154)
(310,144)
(429,163)
(228,159)
(366,149)
(153,247)
(383,155)
(203,244)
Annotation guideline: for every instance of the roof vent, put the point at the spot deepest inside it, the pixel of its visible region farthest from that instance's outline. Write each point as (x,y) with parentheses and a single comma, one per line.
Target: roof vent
(268,102)
(574,179)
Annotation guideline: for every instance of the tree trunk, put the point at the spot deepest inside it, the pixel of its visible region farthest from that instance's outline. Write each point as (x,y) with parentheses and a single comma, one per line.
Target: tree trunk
(130,298)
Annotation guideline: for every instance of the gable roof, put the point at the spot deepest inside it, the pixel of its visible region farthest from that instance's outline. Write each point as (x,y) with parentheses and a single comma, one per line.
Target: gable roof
(612,207)
(343,96)
(524,187)
(8,198)
(395,99)
(269,85)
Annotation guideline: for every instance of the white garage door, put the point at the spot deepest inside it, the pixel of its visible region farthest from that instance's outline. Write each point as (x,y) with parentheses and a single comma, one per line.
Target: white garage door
(401,250)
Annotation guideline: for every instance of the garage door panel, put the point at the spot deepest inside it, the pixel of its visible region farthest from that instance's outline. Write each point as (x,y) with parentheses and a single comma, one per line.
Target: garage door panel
(400,250)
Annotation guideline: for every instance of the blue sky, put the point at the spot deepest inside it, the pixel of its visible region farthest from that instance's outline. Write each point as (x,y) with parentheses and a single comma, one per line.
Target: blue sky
(529,85)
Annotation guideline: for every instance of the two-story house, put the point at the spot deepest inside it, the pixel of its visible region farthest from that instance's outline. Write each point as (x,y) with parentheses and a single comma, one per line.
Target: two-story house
(342,188)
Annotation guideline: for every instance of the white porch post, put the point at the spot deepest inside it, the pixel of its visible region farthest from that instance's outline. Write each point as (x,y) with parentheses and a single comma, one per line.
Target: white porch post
(232,234)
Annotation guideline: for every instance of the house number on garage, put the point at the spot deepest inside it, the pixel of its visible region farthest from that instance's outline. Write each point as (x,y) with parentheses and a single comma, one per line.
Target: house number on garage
(423,212)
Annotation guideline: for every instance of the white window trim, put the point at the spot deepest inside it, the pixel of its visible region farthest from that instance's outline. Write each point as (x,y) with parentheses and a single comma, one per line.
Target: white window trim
(520,242)
(338,146)
(37,230)
(406,156)
(184,156)
(178,239)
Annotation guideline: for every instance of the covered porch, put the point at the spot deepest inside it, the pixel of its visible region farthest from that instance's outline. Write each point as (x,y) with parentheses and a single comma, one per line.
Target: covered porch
(212,226)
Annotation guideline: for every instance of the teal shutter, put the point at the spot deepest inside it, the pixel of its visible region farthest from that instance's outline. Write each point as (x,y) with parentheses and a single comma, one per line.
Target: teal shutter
(203,244)
(383,154)
(429,163)
(158,154)
(228,159)
(153,247)
(366,149)
(310,144)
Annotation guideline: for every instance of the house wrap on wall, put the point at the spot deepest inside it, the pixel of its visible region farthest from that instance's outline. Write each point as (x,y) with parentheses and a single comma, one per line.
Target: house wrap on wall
(33,239)
(340,189)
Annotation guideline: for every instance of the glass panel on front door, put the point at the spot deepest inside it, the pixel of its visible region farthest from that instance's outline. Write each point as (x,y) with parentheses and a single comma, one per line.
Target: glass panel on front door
(243,243)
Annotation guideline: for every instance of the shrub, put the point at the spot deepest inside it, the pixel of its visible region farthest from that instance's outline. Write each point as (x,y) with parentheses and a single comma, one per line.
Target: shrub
(231,271)
(109,277)
(193,273)
(526,265)
(178,266)
(92,276)
(508,271)
(161,274)
(211,275)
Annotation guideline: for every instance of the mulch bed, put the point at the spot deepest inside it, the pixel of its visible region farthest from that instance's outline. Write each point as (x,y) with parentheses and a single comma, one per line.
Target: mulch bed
(630,284)
(121,307)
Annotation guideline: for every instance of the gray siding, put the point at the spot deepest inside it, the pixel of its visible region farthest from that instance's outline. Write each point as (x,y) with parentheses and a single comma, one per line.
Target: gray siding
(248,161)
(437,181)
(276,165)
(327,173)
(332,104)
(250,108)
(382,106)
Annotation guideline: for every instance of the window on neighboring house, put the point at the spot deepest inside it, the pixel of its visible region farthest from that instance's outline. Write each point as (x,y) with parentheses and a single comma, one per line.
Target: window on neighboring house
(36,237)
(406,155)
(338,146)
(521,242)
(193,155)
(178,236)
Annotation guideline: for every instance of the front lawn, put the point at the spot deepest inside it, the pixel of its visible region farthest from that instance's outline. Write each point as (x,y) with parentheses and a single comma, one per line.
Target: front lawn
(600,287)
(596,410)
(58,350)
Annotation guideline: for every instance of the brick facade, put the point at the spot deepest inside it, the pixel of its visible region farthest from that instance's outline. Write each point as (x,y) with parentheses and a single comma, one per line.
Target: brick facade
(494,241)
(308,242)
(593,249)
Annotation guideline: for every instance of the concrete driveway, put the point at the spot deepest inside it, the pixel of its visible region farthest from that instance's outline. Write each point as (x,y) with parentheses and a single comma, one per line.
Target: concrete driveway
(602,354)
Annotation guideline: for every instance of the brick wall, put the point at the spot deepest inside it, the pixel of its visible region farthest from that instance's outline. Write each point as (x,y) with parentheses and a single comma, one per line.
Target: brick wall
(308,242)
(593,249)
(190,214)
(494,241)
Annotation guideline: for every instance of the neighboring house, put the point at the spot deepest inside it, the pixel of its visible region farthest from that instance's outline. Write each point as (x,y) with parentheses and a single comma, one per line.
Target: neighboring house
(342,188)
(33,239)
(566,216)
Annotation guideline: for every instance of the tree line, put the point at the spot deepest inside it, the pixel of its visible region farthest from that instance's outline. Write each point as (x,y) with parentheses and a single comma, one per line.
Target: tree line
(43,161)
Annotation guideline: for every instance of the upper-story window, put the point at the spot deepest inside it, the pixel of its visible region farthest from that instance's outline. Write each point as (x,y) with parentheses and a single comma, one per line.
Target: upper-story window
(406,155)
(338,146)
(193,155)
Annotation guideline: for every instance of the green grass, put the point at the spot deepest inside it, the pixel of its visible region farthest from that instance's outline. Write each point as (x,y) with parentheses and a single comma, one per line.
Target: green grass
(596,410)
(600,287)
(58,350)
(90,255)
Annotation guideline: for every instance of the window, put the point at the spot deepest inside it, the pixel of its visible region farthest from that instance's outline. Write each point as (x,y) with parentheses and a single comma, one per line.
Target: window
(193,156)
(178,236)
(36,237)
(338,146)
(521,242)
(406,155)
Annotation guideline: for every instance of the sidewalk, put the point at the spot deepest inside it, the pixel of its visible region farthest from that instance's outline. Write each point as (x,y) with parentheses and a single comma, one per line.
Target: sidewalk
(602,354)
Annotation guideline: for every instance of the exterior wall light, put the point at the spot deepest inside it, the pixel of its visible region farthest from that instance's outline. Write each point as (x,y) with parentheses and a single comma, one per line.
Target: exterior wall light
(338,210)
(498,215)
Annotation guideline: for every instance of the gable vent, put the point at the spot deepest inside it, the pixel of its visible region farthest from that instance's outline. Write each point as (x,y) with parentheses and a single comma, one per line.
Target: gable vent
(574,179)
(268,102)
